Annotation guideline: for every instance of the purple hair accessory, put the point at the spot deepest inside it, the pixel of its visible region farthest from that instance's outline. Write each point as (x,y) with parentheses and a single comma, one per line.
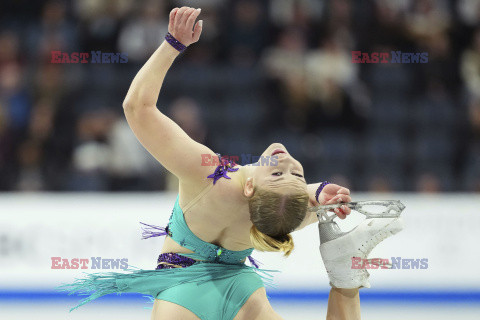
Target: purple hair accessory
(222,170)
(174,42)
(254,262)
(319,189)
(151,231)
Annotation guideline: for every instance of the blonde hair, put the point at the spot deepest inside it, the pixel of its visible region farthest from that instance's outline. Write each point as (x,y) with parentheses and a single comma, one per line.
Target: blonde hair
(274,216)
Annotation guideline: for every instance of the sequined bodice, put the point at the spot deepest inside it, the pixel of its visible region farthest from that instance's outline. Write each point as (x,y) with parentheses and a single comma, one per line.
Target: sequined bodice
(179,231)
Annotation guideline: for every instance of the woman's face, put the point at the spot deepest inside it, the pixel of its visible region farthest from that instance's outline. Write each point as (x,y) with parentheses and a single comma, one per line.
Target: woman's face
(278,171)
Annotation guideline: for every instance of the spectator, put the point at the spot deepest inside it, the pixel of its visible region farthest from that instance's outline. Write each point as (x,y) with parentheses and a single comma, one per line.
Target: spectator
(54,32)
(428,183)
(469,11)
(284,64)
(91,155)
(427,18)
(129,166)
(248,31)
(144,32)
(470,66)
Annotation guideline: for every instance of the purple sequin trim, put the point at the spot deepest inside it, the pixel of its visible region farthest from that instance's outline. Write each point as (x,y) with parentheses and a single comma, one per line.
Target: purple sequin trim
(222,170)
(174,42)
(175,259)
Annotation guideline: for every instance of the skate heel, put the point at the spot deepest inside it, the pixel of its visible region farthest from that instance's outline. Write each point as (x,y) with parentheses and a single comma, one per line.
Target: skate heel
(329,231)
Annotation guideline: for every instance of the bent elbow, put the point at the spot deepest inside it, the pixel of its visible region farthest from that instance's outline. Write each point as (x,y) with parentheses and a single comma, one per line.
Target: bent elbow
(128,105)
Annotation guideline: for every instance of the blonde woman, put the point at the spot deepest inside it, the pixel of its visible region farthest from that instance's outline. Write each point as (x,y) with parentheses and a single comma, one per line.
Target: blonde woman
(222,212)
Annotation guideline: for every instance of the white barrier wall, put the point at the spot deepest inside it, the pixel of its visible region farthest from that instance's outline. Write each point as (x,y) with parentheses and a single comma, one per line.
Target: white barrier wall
(36,227)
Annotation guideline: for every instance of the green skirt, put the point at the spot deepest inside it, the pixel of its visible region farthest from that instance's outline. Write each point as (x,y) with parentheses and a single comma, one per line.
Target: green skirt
(210,290)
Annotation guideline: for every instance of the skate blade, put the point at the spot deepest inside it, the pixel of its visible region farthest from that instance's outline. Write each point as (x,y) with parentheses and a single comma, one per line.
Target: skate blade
(370,209)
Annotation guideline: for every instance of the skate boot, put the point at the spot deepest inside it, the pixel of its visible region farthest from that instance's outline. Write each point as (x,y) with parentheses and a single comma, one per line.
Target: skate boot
(339,248)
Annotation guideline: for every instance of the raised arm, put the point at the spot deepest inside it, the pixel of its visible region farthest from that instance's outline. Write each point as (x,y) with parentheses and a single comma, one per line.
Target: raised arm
(331,194)
(162,137)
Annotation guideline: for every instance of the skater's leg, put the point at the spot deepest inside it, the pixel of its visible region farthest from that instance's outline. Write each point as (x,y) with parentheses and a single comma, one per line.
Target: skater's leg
(343,304)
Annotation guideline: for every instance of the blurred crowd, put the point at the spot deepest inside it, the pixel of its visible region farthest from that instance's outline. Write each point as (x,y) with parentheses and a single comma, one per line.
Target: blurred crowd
(263,71)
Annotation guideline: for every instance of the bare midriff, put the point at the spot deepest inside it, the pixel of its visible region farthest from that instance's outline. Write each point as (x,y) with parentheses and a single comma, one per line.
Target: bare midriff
(170,246)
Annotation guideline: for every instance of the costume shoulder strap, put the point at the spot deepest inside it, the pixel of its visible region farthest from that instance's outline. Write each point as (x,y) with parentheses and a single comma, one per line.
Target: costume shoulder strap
(195,200)
(221,171)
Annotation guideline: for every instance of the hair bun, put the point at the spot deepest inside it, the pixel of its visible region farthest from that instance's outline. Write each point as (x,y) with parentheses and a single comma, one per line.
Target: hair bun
(282,238)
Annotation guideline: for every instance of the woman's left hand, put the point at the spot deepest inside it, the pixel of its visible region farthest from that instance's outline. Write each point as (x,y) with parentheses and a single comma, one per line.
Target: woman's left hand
(333,194)
(182,25)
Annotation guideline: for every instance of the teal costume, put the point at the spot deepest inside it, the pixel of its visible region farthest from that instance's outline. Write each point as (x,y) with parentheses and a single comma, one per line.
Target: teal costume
(213,288)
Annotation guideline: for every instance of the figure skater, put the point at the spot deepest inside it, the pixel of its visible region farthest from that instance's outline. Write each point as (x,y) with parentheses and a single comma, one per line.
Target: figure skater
(224,211)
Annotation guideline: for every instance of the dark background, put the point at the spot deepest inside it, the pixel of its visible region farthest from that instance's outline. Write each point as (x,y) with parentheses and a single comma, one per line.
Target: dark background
(262,72)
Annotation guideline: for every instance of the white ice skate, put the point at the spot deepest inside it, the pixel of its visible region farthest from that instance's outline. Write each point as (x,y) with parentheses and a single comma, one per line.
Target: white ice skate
(338,248)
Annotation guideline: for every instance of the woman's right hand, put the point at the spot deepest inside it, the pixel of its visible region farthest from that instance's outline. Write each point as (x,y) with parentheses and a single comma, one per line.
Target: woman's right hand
(181,25)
